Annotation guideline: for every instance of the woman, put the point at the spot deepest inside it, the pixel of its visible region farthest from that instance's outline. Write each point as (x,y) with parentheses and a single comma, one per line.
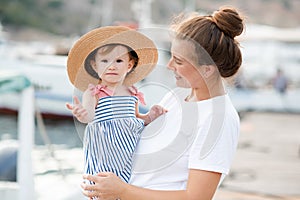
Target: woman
(204,51)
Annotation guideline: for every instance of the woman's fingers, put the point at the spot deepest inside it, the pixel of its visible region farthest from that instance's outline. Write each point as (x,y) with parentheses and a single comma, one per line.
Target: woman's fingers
(93,178)
(89,193)
(88,187)
(105,174)
(89,190)
(101,174)
(106,186)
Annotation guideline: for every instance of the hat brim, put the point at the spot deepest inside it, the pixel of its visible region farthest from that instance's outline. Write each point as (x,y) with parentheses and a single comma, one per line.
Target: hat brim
(142,45)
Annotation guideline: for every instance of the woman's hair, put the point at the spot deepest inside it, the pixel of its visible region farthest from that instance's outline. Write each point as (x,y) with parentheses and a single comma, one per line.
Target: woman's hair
(216,35)
(105,50)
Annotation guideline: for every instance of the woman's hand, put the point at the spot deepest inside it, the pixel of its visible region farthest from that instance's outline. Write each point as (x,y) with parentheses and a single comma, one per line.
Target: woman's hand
(107,186)
(78,110)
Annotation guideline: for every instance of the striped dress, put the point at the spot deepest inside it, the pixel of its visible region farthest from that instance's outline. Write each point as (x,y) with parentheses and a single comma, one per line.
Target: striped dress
(111,139)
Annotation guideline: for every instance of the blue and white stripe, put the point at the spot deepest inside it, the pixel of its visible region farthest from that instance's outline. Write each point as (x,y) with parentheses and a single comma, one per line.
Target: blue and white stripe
(110,140)
(112,107)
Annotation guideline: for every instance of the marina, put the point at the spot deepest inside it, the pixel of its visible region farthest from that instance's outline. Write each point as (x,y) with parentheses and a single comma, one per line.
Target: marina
(54,155)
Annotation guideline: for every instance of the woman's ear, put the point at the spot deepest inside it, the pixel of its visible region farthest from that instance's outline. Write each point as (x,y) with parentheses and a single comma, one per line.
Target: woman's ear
(208,70)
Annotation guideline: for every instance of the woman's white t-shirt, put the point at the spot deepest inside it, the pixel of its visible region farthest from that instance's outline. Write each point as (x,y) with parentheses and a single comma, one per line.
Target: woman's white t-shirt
(191,135)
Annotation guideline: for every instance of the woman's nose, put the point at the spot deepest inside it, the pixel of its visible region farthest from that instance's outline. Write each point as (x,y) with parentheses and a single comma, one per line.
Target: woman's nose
(170,65)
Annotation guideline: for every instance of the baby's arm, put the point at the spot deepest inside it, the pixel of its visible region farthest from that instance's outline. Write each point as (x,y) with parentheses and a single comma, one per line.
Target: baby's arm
(84,111)
(154,112)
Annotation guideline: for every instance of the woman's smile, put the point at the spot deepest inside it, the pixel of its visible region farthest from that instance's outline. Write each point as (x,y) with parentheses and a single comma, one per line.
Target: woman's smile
(177,77)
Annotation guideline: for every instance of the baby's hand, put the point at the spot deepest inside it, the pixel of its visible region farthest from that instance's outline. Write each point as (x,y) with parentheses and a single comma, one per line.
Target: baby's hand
(77,109)
(156,111)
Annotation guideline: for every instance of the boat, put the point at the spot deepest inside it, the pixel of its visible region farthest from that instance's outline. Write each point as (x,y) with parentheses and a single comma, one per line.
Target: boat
(46,72)
(262,48)
(28,171)
(48,75)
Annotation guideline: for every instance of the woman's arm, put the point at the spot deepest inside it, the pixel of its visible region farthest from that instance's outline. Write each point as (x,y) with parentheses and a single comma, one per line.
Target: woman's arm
(201,186)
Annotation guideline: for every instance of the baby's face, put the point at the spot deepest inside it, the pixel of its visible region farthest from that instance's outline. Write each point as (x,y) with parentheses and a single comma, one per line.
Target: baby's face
(113,66)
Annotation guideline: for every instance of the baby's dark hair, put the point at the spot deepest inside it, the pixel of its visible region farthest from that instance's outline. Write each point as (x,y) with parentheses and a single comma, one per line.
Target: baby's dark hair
(106,49)
(216,35)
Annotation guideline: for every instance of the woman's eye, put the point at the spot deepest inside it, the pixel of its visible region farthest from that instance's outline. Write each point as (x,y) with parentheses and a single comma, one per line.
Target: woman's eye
(177,61)
(119,61)
(104,61)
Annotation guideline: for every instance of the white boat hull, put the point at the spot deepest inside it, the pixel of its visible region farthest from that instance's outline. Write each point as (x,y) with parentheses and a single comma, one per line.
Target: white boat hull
(50,81)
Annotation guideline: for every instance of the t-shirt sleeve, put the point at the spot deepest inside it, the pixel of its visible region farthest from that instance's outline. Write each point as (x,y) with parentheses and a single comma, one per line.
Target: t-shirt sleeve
(215,153)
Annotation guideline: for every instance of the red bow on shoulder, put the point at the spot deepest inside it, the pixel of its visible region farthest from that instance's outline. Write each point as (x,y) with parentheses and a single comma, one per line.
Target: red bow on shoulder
(100,90)
(103,91)
(134,91)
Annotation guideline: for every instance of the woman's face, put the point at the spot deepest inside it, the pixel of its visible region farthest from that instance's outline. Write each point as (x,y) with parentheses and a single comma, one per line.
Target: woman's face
(183,62)
(113,66)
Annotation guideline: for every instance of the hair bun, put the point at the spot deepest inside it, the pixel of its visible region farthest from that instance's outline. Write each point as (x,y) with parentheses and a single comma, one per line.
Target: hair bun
(229,21)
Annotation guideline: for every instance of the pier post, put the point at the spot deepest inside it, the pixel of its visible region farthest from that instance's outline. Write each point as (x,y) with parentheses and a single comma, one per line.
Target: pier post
(26,142)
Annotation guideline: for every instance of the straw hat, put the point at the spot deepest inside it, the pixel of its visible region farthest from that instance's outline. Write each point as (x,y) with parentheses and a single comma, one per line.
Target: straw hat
(142,45)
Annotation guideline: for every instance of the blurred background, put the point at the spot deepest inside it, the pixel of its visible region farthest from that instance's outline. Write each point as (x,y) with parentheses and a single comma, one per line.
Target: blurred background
(35,37)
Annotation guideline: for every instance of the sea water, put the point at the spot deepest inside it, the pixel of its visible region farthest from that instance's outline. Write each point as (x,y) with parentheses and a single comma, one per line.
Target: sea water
(58,131)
